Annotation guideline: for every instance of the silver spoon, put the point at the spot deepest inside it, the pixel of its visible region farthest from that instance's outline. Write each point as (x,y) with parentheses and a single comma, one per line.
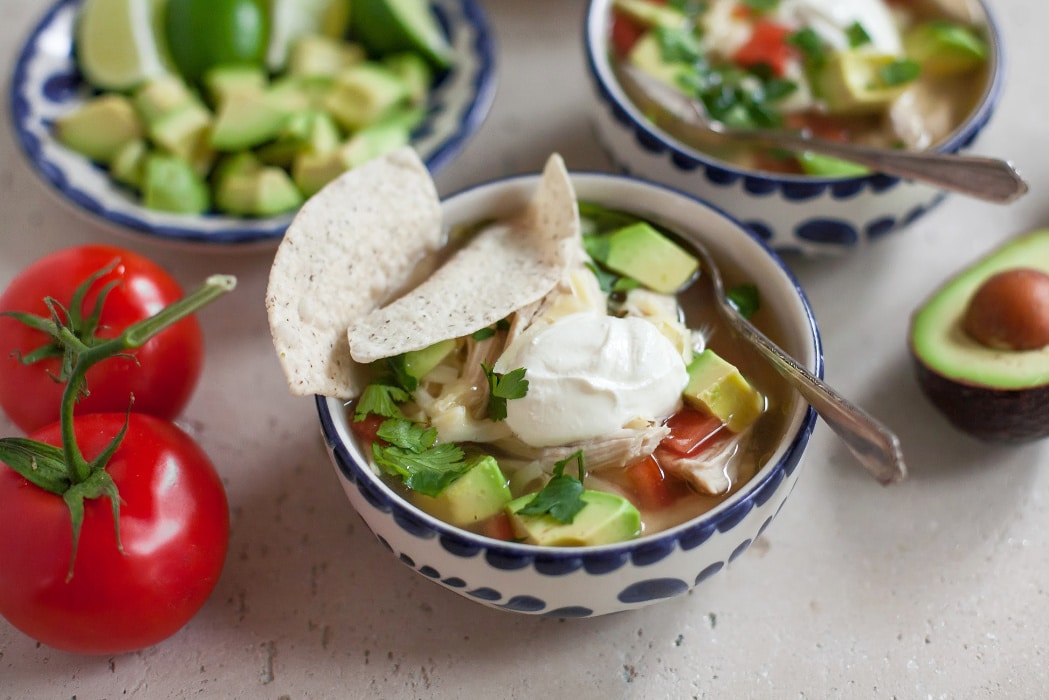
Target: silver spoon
(875,446)
(990,179)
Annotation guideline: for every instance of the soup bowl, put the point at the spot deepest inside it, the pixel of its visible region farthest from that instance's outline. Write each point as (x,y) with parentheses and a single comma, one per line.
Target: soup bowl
(793,213)
(594,580)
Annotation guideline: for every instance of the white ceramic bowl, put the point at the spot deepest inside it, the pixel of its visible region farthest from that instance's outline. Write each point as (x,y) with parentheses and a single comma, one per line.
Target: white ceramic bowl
(586,581)
(47,84)
(795,214)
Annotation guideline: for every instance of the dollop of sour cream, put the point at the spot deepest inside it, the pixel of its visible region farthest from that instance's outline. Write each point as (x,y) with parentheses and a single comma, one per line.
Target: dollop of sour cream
(590,374)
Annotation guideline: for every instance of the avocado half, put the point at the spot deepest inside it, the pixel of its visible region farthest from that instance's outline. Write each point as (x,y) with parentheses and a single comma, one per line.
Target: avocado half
(992,394)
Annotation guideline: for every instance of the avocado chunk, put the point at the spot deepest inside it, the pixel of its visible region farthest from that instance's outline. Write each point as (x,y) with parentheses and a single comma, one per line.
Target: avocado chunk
(854,82)
(246,122)
(641,252)
(606,518)
(828,166)
(128,165)
(313,171)
(362,94)
(717,386)
(232,80)
(244,186)
(651,14)
(170,184)
(100,127)
(419,363)
(481,492)
(992,393)
(308,131)
(414,71)
(184,132)
(944,48)
(316,55)
(161,96)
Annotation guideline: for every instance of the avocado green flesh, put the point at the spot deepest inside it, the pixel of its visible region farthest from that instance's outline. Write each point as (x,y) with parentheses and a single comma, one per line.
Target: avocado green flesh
(939,342)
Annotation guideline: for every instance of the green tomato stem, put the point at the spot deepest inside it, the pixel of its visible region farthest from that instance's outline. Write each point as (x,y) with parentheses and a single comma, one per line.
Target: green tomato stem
(134,336)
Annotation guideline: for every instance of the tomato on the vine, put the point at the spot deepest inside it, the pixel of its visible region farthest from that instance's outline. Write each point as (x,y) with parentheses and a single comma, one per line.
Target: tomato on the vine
(173,528)
(161,375)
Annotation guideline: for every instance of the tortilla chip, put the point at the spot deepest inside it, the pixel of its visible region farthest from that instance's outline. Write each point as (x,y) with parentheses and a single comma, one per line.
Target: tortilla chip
(348,248)
(501,270)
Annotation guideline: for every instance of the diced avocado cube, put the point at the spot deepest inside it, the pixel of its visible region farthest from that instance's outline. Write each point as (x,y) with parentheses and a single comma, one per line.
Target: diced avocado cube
(829,166)
(308,131)
(184,133)
(363,93)
(100,127)
(129,163)
(641,252)
(170,184)
(416,73)
(647,55)
(606,518)
(313,171)
(246,122)
(419,363)
(481,492)
(266,191)
(318,55)
(717,386)
(232,80)
(161,96)
(944,48)
(650,14)
(297,93)
(851,82)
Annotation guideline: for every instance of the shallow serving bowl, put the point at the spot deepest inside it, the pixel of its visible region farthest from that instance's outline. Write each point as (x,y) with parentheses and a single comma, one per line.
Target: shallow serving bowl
(47,84)
(586,581)
(793,213)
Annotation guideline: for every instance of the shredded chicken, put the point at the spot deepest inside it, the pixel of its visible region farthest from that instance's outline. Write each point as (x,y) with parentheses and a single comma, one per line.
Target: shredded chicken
(618,449)
(712,471)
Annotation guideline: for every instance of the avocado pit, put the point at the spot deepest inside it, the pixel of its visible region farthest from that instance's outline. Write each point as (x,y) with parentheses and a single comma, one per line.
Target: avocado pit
(980,343)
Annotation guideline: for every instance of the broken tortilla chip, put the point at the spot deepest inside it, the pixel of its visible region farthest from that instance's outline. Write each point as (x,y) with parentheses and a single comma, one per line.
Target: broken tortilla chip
(502,269)
(348,248)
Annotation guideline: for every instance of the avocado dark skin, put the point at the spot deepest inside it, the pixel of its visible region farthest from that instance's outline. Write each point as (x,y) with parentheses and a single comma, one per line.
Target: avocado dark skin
(988,382)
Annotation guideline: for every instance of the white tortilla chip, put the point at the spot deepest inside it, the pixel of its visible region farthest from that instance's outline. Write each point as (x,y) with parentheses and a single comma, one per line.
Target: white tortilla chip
(348,248)
(501,270)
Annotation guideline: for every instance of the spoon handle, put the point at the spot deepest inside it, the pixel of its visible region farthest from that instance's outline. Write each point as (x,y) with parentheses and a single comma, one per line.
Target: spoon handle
(874,445)
(989,179)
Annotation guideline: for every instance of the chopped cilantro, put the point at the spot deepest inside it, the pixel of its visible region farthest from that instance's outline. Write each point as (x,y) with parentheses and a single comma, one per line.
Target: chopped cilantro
(399,374)
(380,399)
(502,387)
(561,497)
(678,45)
(761,5)
(745,298)
(412,455)
(857,35)
(899,72)
(809,42)
(483,334)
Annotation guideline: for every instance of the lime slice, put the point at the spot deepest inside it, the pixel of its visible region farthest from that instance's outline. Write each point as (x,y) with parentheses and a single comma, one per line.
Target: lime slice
(116,43)
(292,19)
(386,26)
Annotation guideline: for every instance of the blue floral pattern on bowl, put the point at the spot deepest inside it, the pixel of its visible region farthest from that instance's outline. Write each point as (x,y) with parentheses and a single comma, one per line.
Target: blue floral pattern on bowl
(794,214)
(589,581)
(47,84)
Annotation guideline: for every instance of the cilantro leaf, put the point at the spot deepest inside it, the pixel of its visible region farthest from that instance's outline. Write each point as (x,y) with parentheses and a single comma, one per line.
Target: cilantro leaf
(502,387)
(899,72)
(427,472)
(400,376)
(857,35)
(561,498)
(407,434)
(380,399)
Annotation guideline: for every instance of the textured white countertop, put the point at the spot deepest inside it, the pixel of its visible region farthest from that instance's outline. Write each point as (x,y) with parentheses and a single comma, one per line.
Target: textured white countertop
(936,587)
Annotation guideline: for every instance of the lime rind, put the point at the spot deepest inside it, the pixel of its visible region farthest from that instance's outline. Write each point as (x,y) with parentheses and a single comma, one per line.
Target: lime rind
(116,44)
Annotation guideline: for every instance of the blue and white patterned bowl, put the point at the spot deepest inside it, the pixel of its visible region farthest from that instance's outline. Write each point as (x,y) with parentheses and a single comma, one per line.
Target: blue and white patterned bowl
(47,84)
(794,214)
(587,581)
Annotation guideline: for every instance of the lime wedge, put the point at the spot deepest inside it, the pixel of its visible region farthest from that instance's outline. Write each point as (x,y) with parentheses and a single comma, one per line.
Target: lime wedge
(116,43)
(293,19)
(386,26)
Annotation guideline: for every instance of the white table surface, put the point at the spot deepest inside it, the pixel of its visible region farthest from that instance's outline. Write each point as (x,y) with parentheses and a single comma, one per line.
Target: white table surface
(936,587)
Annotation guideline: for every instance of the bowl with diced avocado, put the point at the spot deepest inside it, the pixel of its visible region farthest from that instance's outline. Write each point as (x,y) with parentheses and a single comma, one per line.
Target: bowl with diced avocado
(210,122)
(918,76)
(550,419)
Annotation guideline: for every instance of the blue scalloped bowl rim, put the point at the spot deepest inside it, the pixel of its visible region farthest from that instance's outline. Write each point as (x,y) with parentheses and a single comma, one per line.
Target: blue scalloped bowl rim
(556,561)
(792,187)
(240,232)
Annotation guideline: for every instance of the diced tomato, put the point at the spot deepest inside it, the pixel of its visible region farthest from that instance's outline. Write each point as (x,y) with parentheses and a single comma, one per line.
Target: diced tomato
(368,428)
(821,125)
(651,485)
(768,46)
(498,527)
(689,431)
(625,33)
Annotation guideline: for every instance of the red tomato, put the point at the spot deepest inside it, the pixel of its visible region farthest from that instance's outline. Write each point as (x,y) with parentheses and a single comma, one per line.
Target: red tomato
(689,431)
(174,527)
(162,374)
(624,34)
(653,488)
(368,427)
(498,527)
(767,45)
